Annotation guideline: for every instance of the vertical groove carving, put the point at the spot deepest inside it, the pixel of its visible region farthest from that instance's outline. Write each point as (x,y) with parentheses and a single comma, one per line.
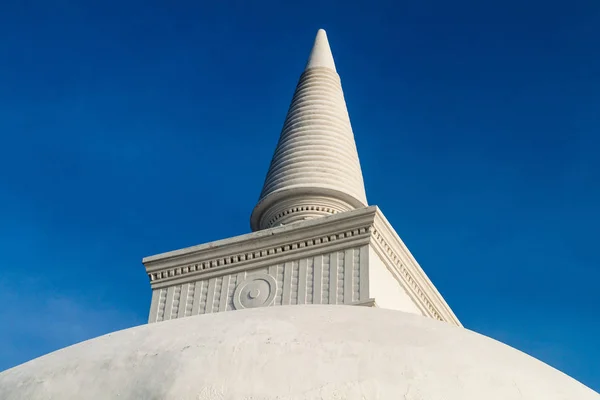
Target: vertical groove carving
(217,295)
(287,282)
(294,292)
(302,273)
(279,279)
(318,279)
(224,295)
(363,260)
(176,298)
(203,297)
(326,280)
(162,300)
(190,299)
(310,267)
(340,277)
(332,278)
(356,275)
(230,291)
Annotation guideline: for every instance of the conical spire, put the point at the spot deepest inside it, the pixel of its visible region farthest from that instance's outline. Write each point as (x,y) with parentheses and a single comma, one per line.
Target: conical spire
(315,170)
(321,56)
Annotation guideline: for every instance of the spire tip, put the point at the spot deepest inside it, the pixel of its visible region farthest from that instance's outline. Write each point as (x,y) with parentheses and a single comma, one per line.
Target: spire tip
(321,56)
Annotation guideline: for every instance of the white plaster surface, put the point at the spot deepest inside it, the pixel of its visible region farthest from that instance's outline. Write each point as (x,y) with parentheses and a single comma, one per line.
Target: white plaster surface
(320,55)
(320,261)
(333,277)
(296,352)
(384,288)
(315,170)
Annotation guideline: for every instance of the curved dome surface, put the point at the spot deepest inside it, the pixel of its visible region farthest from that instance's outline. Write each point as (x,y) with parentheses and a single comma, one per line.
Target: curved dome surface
(292,352)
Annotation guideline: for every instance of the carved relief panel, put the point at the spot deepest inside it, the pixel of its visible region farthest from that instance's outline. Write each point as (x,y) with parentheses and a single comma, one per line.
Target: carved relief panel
(339,277)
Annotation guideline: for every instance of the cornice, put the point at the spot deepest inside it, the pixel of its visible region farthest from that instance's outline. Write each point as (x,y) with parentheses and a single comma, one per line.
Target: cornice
(409,272)
(267,247)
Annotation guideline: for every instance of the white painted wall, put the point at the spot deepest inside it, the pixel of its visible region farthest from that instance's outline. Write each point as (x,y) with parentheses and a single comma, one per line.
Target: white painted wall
(385,289)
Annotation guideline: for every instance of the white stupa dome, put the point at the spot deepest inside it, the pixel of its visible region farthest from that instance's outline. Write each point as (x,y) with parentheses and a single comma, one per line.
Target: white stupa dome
(292,352)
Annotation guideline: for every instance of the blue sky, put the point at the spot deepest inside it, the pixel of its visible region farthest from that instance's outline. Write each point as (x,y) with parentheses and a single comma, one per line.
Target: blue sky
(132,128)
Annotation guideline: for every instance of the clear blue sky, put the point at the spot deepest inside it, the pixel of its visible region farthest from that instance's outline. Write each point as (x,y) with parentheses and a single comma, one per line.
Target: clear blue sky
(131,128)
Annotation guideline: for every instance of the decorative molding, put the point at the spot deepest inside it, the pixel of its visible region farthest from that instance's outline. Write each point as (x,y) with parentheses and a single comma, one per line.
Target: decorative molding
(199,267)
(257,290)
(407,278)
(318,279)
(318,211)
(301,207)
(264,238)
(410,272)
(297,258)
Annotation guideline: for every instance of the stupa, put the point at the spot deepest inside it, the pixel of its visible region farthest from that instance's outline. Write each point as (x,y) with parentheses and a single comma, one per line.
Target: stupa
(321,301)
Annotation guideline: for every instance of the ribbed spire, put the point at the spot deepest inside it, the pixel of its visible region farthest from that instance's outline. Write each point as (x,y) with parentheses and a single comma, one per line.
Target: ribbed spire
(315,170)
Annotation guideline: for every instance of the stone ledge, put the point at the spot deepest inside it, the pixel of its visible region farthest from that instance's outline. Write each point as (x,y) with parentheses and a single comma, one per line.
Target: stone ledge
(271,246)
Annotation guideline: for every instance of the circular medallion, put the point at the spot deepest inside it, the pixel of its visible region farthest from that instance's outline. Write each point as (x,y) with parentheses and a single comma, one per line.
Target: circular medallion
(256,290)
